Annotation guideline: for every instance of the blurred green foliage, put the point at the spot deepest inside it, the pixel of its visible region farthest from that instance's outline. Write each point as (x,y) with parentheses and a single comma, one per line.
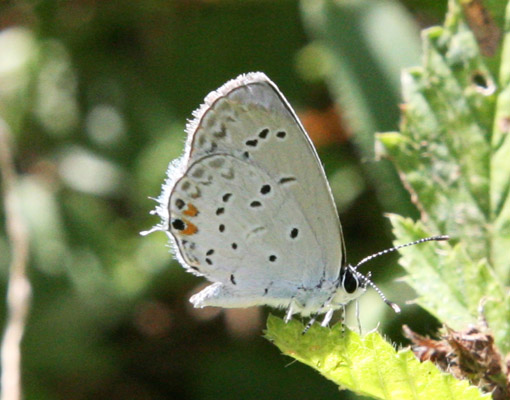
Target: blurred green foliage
(96,95)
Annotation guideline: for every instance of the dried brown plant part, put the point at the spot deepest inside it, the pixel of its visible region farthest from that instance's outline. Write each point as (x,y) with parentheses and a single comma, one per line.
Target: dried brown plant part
(487,32)
(470,354)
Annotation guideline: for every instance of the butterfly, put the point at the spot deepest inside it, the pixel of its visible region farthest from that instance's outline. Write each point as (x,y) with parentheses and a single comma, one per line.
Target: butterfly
(248,207)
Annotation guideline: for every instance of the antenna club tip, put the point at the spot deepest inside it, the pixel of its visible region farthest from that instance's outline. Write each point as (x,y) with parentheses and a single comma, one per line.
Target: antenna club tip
(394,306)
(443,237)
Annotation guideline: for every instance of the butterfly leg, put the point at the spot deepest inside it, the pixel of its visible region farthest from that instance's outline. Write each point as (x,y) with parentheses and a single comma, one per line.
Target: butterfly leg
(309,324)
(290,312)
(327,317)
(357,317)
(343,319)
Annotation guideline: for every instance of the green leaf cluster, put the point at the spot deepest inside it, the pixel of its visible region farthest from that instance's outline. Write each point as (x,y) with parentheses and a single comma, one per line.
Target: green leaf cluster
(453,152)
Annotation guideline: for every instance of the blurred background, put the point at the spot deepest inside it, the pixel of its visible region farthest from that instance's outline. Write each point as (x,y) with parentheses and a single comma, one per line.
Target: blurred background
(96,95)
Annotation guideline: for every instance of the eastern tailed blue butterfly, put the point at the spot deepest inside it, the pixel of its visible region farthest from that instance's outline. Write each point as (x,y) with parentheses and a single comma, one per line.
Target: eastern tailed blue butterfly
(249,207)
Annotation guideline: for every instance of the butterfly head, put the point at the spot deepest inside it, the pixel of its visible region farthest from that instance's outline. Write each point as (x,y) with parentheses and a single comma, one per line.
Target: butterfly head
(351,284)
(354,284)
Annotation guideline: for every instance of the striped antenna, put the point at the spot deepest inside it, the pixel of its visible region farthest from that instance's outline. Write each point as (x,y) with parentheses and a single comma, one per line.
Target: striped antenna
(367,280)
(381,253)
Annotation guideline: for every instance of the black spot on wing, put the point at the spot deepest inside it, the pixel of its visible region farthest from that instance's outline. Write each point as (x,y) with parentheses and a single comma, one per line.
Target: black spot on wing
(265,189)
(286,179)
(263,133)
(179,203)
(178,224)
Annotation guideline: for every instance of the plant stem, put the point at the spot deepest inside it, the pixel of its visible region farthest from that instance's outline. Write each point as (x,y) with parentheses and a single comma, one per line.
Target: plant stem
(18,287)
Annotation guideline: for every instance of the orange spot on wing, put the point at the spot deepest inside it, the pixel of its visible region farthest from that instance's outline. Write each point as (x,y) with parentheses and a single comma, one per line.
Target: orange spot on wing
(191,210)
(190,228)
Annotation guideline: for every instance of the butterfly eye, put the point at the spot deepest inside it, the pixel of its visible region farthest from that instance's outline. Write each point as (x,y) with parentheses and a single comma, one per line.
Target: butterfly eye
(349,281)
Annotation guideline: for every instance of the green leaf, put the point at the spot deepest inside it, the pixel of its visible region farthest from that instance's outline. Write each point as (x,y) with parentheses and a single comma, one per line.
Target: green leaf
(449,283)
(500,165)
(453,154)
(367,365)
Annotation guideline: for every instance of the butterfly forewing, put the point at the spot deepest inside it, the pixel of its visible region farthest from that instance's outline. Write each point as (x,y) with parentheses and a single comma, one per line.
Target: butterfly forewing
(249,119)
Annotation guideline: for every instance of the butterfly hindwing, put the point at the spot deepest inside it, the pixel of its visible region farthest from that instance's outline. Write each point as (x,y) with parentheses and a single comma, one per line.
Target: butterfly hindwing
(235,224)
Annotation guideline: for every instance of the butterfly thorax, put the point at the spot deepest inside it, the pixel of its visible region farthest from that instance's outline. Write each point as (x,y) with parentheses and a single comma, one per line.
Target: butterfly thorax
(330,295)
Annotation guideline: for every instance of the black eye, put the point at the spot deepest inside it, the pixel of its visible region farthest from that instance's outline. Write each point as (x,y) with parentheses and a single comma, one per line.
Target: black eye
(349,281)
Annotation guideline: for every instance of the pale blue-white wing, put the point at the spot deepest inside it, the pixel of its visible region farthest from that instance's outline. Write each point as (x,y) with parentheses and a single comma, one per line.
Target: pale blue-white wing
(251,203)
(234,223)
